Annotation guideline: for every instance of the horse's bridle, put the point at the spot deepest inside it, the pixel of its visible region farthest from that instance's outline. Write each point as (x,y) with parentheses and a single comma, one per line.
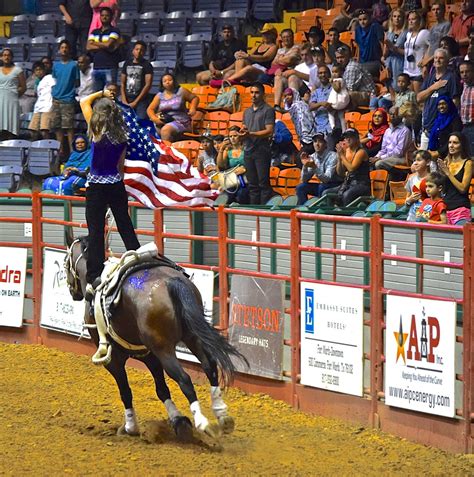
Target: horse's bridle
(71,268)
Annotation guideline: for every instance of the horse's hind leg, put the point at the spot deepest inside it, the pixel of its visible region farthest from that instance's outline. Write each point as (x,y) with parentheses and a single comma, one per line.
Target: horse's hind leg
(182,425)
(209,366)
(176,372)
(117,369)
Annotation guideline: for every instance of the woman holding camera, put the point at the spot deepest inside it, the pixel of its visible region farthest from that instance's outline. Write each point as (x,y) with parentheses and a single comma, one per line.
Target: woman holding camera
(416,44)
(230,155)
(168,109)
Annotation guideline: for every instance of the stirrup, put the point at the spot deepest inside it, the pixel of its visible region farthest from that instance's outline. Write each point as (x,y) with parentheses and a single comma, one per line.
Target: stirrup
(103,355)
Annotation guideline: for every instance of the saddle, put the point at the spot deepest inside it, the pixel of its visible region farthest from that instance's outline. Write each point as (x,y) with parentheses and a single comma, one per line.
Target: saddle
(108,294)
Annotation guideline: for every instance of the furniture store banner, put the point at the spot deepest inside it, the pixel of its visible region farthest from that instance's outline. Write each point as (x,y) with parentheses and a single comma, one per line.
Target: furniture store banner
(204,281)
(332,337)
(58,310)
(12,285)
(420,343)
(256,324)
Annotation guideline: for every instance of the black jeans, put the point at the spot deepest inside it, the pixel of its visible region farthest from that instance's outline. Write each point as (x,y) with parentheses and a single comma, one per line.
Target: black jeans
(257,164)
(75,35)
(98,198)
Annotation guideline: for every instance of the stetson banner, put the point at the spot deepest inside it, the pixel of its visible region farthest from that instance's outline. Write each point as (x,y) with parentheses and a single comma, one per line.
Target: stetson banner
(58,310)
(204,281)
(12,285)
(420,355)
(332,337)
(256,324)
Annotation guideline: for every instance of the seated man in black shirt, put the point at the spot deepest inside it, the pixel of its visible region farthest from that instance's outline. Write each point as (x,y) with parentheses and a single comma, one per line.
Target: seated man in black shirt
(221,57)
(136,80)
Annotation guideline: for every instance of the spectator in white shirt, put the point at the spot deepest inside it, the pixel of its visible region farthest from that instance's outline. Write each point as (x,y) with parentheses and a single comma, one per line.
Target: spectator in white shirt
(294,77)
(86,85)
(42,114)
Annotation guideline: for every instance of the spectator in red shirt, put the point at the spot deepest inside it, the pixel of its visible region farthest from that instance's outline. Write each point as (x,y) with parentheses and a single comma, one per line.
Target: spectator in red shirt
(433,209)
(461,24)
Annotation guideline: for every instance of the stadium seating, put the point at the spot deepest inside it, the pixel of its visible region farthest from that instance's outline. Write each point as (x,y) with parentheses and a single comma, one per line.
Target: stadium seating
(43,157)
(21,25)
(41,46)
(47,24)
(378,183)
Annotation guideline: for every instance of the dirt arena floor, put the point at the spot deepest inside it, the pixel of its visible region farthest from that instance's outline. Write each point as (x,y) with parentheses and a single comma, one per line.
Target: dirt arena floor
(59,415)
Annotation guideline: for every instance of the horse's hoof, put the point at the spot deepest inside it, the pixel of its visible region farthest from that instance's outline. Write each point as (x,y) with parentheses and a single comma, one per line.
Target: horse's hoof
(211,431)
(183,428)
(227,424)
(121,431)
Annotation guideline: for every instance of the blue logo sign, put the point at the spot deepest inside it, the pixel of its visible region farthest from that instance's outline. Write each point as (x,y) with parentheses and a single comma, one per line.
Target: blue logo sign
(309,310)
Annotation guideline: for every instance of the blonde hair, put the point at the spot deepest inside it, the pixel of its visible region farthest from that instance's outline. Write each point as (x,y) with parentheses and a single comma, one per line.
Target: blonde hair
(404,17)
(107,119)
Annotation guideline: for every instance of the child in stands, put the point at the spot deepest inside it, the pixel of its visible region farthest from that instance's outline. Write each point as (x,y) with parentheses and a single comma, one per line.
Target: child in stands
(338,98)
(416,185)
(433,209)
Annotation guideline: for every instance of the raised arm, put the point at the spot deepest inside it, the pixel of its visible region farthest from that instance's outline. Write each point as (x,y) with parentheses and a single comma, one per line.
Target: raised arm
(88,101)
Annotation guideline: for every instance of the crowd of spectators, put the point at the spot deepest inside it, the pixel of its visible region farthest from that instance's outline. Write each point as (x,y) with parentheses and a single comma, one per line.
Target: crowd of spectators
(417,81)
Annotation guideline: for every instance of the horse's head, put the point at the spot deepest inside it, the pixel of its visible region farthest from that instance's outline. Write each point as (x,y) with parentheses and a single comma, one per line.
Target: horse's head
(75,265)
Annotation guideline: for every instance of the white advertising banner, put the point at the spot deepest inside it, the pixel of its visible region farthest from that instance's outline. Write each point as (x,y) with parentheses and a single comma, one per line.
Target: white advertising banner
(420,355)
(58,310)
(332,337)
(12,285)
(204,281)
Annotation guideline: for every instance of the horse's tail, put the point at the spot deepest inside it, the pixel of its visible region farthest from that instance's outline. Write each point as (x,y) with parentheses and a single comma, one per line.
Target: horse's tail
(190,312)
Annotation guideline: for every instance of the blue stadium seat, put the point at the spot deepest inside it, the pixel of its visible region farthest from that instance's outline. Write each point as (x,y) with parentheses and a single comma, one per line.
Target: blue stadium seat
(201,24)
(208,5)
(175,22)
(22,25)
(149,22)
(127,23)
(129,6)
(159,69)
(157,6)
(180,6)
(41,46)
(194,50)
(168,49)
(18,45)
(235,5)
(264,10)
(47,24)
(43,157)
(49,6)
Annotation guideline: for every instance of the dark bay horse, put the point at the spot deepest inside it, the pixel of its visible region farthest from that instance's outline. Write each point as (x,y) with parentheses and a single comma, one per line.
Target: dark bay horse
(158,308)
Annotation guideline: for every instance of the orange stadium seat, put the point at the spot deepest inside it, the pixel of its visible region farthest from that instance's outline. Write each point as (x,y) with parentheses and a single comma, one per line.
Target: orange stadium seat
(398,192)
(274,172)
(236,119)
(206,95)
(308,18)
(378,183)
(189,148)
(287,181)
(216,121)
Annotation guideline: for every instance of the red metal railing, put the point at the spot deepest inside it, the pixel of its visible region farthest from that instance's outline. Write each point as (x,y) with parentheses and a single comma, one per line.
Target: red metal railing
(452,434)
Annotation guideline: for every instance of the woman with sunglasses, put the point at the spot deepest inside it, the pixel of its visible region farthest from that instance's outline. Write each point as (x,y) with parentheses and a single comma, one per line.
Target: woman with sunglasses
(416,44)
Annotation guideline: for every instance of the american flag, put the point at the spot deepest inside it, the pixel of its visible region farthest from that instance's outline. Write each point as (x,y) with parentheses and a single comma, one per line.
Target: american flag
(158,175)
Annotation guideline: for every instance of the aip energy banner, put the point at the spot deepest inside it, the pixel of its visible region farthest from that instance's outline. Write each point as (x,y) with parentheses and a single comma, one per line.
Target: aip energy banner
(332,337)
(420,355)
(58,310)
(256,324)
(12,285)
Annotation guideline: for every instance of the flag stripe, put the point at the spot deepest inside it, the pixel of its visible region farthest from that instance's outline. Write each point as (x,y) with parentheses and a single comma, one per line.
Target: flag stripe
(157,175)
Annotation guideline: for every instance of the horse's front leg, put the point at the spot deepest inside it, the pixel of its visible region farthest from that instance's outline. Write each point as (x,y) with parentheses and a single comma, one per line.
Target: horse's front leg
(117,369)
(181,424)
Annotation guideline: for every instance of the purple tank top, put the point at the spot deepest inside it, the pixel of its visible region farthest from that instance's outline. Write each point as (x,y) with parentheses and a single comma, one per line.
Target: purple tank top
(105,157)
